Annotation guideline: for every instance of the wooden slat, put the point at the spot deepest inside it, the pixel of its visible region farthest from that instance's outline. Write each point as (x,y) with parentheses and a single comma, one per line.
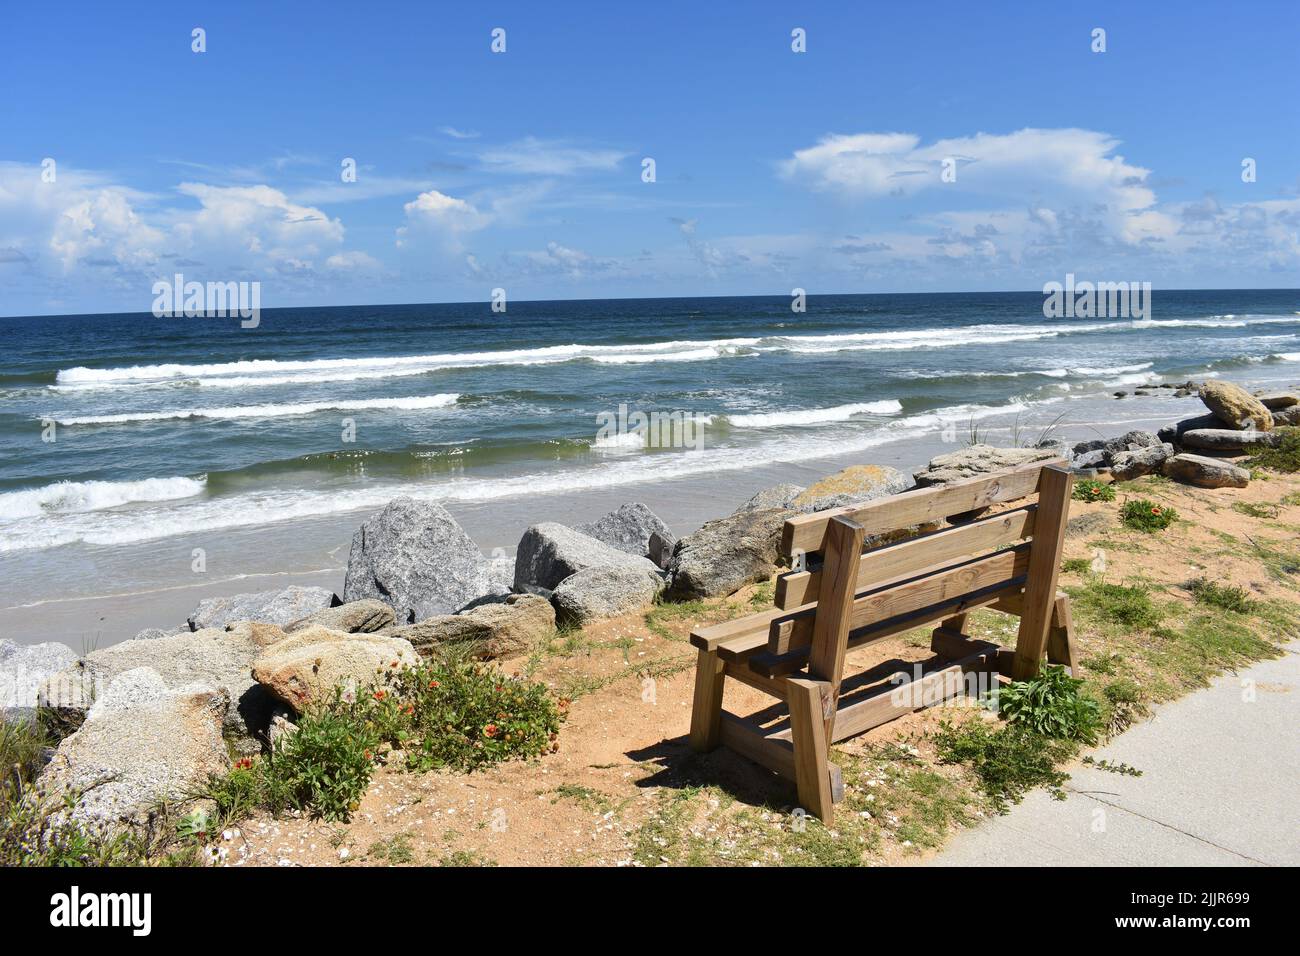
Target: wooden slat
(932,587)
(746,738)
(936,686)
(752,678)
(715,636)
(807,533)
(779,665)
(1044,566)
(955,646)
(890,561)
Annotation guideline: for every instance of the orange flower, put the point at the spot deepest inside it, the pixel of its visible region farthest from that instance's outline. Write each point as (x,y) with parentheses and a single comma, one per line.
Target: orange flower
(433,684)
(380,695)
(490,730)
(1155,509)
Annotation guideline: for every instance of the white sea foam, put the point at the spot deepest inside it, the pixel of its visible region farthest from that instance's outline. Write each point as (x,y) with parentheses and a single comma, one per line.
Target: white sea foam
(815,416)
(145,523)
(73,497)
(270,411)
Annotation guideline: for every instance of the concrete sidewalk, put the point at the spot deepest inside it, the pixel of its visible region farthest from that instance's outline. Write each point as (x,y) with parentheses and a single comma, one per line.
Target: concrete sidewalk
(1220,786)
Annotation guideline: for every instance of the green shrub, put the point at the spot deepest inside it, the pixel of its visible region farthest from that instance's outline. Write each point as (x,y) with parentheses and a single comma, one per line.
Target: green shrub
(1142,514)
(453,714)
(1285,456)
(1076,565)
(1009,760)
(462,715)
(1123,691)
(1223,596)
(1090,489)
(1051,705)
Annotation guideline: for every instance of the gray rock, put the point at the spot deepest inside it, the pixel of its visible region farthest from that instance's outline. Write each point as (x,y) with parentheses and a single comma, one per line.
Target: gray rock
(268,607)
(1142,461)
(1131,441)
(1174,433)
(549,552)
(853,485)
(365,617)
(142,743)
(212,657)
(605,592)
(778,496)
(23,668)
(1287,416)
(1227,439)
(1275,401)
(976,460)
(1099,458)
(415,558)
(627,528)
(661,548)
(726,554)
(515,624)
(1083,447)
(153,633)
(426,635)
(1205,472)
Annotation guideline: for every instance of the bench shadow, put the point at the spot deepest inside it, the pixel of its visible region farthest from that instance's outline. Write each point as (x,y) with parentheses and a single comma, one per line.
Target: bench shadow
(681,768)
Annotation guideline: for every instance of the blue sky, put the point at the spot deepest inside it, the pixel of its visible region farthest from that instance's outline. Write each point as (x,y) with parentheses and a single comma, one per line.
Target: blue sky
(522,170)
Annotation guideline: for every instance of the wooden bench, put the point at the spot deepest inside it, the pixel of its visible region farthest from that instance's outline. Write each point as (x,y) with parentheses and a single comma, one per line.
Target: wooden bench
(839,596)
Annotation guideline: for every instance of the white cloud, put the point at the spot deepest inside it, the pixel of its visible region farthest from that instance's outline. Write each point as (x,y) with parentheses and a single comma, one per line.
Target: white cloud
(532,156)
(455,133)
(353,260)
(442,214)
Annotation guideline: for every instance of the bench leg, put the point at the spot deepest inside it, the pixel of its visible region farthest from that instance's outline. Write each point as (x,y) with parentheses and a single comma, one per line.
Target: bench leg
(1060,639)
(808,734)
(706,708)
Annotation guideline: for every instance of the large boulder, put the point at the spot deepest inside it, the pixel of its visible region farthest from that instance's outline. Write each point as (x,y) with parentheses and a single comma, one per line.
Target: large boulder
(976,460)
(142,743)
(219,658)
(356,617)
(415,558)
(1286,416)
(778,496)
(269,607)
(1205,472)
(604,592)
(1235,407)
(512,625)
(1227,439)
(427,635)
(549,552)
(727,553)
(23,668)
(1141,461)
(1174,433)
(627,528)
(308,664)
(1130,441)
(852,485)
(1275,401)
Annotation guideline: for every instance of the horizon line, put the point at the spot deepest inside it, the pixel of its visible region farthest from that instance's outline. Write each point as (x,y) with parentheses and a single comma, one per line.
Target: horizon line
(642,298)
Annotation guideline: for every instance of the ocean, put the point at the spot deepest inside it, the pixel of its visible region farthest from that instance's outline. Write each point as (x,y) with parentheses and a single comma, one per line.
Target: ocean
(128,441)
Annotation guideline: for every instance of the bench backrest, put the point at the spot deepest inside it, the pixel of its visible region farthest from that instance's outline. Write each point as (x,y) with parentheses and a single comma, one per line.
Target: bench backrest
(838,586)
